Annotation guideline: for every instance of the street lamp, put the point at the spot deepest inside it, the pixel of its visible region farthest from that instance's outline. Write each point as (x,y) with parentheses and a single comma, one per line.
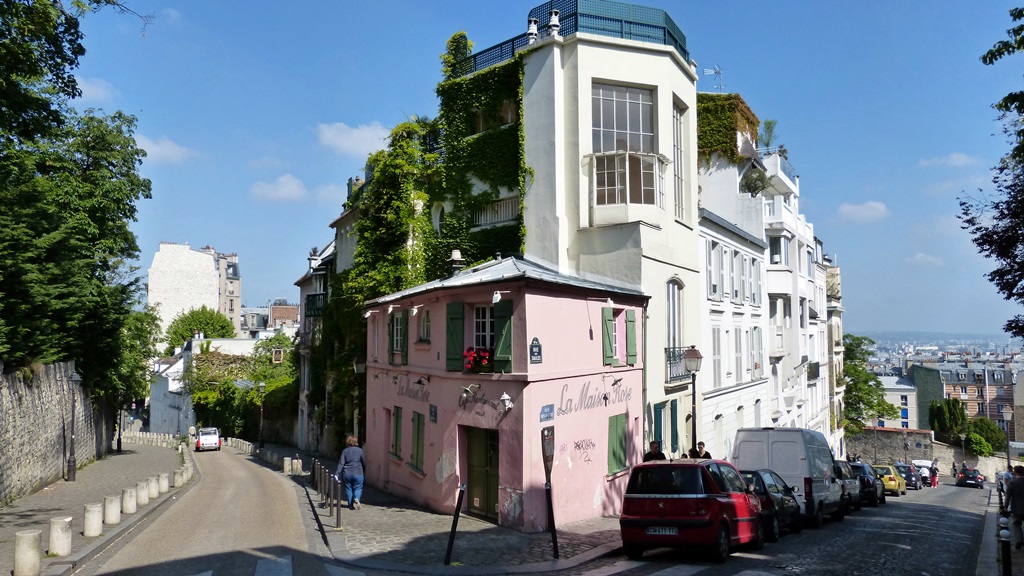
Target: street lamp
(1008,418)
(120,422)
(76,382)
(906,448)
(691,362)
(263,388)
(963,446)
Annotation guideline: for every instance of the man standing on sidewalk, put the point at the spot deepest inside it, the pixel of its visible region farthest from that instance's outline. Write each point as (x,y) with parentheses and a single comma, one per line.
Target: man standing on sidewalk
(1015,502)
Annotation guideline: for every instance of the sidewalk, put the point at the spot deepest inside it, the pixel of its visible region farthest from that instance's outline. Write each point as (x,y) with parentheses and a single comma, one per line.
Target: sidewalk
(990,561)
(105,477)
(391,534)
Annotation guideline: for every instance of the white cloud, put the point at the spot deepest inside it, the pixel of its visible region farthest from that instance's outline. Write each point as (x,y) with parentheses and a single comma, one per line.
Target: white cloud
(922,259)
(870,211)
(164,150)
(171,15)
(356,142)
(266,163)
(954,159)
(287,188)
(96,89)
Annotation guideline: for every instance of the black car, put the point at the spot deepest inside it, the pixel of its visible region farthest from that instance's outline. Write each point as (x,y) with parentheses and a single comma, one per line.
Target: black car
(910,474)
(779,507)
(970,477)
(871,489)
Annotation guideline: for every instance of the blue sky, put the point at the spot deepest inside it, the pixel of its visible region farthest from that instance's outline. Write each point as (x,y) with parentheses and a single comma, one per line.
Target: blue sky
(255,115)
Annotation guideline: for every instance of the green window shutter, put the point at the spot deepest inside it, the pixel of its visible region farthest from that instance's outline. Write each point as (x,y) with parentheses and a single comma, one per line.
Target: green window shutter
(391,339)
(674,415)
(616,443)
(631,337)
(607,320)
(454,336)
(503,336)
(658,426)
(403,320)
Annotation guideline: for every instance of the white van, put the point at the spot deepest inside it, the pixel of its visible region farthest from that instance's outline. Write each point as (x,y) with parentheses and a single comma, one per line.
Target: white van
(803,459)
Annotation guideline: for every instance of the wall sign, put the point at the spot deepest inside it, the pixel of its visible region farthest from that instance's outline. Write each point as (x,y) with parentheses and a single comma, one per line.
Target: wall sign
(547,412)
(536,356)
(433,413)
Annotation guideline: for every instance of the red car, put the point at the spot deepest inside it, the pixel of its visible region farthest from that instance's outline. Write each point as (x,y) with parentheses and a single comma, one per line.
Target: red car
(684,503)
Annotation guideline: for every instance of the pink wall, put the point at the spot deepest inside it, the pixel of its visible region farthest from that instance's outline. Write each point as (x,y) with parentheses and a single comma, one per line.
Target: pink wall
(566,389)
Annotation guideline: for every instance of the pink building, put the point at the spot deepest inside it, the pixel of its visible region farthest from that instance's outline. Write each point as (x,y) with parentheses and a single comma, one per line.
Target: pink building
(553,390)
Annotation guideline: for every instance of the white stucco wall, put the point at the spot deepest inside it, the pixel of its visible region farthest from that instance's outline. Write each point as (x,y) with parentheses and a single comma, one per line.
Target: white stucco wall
(181,279)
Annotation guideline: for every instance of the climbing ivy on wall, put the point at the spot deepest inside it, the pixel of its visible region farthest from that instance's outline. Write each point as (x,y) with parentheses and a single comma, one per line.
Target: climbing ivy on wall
(719,118)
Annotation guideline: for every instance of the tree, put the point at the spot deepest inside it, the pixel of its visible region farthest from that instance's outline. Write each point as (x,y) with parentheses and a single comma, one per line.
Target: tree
(997,224)
(864,399)
(989,430)
(948,419)
(209,322)
(977,444)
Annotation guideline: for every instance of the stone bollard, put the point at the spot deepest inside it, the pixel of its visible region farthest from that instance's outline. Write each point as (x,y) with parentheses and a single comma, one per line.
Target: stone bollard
(111,510)
(190,468)
(297,466)
(128,500)
(154,487)
(142,492)
(27,557)
(287,466)
(60,536)
(179,477)
(93,520)
(163,482)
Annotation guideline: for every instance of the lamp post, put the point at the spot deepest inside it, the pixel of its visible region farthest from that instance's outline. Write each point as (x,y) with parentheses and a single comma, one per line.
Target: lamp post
(120,423)
(963,446)
(1008,418)
(263,388)
(76,382)
(906,448)
(691,362)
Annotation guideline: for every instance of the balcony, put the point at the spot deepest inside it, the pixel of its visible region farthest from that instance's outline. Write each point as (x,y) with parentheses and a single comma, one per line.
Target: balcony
(675,372)
(315,305)
(784,179)
(612,19)
(813,370)
(503,211)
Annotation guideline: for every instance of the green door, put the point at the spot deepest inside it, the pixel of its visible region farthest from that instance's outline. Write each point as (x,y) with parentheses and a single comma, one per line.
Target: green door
(482,487)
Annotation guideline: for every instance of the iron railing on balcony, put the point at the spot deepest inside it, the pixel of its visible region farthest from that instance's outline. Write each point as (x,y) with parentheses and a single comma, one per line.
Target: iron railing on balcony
(675,370)
(498,212)
(315,304)
(601,17)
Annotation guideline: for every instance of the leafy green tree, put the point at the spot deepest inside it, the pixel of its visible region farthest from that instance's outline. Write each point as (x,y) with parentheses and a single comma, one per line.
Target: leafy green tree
(995,223)
(948,419)
(130,378)
(864,398)
(989,430)
(211,323)
(978,445)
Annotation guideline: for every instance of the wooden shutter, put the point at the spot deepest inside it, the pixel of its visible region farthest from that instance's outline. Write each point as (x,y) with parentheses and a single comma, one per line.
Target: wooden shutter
(673,413)
(403,320)
(503,336)
(607,320)
(631,337)
(391,339)
(455,336)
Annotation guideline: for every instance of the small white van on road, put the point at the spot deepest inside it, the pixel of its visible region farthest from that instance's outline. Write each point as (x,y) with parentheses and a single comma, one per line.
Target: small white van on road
(804,460)
(208,439)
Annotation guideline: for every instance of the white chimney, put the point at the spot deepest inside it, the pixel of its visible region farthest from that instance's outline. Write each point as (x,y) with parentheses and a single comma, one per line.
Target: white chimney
(531,30)
(553,24)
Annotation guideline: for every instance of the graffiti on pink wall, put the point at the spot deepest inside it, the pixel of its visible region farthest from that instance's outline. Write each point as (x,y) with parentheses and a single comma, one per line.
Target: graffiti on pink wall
(589,397)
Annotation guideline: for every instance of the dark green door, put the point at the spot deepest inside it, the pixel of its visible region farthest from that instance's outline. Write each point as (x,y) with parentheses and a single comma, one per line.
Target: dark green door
(482,487)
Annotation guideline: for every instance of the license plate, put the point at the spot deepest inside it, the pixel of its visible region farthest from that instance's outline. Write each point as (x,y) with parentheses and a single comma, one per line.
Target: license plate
(663,530)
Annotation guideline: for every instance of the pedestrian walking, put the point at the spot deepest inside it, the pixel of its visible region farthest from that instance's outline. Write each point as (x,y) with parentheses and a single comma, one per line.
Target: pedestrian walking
(935,474)
(1015,502)
(655,453)
(954,468)
(351,470)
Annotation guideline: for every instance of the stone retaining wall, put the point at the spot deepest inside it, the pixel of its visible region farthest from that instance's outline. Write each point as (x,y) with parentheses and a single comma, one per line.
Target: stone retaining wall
(35,429)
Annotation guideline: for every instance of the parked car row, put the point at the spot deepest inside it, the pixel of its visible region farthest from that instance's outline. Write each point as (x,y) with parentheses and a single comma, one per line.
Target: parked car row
(778,479)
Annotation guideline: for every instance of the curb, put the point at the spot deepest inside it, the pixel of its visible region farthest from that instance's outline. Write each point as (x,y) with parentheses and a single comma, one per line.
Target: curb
(441,570)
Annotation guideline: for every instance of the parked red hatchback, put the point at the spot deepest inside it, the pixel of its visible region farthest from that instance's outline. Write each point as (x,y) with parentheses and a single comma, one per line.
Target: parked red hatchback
(682,503)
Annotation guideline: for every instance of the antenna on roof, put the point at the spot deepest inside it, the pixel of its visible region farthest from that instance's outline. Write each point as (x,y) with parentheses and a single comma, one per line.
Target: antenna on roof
(717,72)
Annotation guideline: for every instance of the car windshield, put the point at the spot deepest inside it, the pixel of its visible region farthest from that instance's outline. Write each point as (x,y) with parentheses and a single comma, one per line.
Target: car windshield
(903,469)
(665,480)
(883,470)
(208,432)
(863,469)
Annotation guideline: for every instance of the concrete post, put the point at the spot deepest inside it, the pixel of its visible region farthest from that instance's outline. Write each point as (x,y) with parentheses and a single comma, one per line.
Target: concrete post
(164,484)
(27,557)
(287,466)
(154,488)
(128,500)
(142,492)
(60,536)
(93,520)
(111,510)
(179,477)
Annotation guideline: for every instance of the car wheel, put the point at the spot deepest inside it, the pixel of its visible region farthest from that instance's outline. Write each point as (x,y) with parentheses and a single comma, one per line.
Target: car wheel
(720,550)
(897,492)
(818,517)
(841,512)
(874,499)
(633,552)
(758,542)
(773,529)
(904,489)
(882,500)
(857,505)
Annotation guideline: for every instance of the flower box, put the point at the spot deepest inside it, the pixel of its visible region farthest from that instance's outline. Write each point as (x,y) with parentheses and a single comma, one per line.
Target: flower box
(479,360)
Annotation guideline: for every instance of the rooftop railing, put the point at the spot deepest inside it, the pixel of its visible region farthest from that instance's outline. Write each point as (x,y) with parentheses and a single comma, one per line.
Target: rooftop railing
(602,17)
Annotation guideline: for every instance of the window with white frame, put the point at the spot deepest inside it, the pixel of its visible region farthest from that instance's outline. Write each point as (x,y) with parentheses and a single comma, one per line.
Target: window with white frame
(715,270)
(627,167)
(748,281)
(904,401)
(678,161)
(737,276)
(425,326)
(716,356)
(756,351)
(483,327)
(397,331)
(738,352)
(755,273)
(674,314)
(997,376)
(778,250)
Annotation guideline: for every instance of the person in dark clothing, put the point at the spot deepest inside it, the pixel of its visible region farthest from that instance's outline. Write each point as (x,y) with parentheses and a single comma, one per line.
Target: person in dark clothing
(1015,502)
(700,452)
(655,452)
(351,467)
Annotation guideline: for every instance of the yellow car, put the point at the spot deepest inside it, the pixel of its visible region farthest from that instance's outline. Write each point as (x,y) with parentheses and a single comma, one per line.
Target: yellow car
(894,483)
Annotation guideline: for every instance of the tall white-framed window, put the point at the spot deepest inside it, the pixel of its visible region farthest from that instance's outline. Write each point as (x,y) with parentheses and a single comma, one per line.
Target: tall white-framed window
(425,326)
(397,332)
(716,355)
(748,281)
(627,166)
(738,352)
(678,161)
(483,327)
(755,273)
(778,250)
(674,314)
(737,276)
(715,270)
